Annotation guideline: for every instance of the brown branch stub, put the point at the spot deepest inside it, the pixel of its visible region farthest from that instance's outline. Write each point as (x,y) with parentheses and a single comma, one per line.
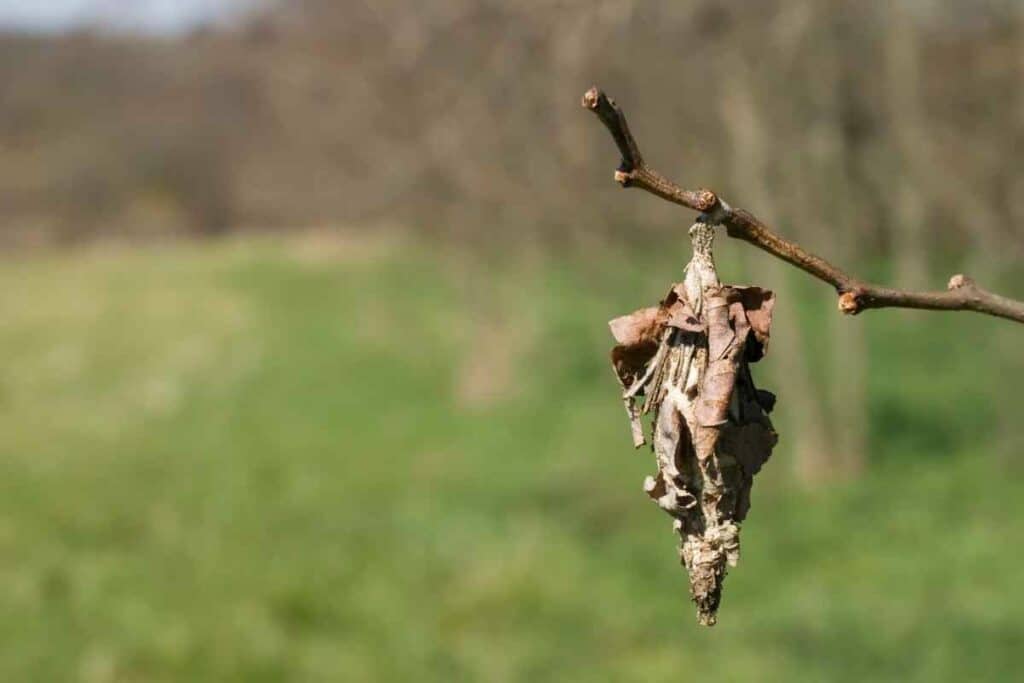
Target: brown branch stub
(632,171)
(959,281)
(614,120)
(849,304)
(962,293)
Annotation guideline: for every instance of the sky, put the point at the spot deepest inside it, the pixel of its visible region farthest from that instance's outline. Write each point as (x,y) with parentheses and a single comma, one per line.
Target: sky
(160,16)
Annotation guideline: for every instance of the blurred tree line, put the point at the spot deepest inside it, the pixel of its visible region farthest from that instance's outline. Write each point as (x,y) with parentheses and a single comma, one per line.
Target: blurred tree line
(862,128)
(463,116)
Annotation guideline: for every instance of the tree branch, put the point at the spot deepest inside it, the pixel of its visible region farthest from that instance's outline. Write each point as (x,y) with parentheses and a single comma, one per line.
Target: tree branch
(962,293)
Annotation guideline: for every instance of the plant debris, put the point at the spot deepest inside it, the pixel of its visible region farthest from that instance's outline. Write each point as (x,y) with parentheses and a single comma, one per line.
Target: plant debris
(688,358)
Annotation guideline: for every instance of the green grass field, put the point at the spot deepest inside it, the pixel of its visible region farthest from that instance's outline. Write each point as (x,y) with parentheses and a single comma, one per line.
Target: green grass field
(337,461)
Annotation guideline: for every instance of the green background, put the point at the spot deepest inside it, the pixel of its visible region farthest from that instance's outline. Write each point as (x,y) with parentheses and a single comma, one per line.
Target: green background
(367,460)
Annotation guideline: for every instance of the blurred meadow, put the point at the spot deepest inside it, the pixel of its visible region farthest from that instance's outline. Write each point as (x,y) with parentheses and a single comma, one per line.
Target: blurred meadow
(305,361)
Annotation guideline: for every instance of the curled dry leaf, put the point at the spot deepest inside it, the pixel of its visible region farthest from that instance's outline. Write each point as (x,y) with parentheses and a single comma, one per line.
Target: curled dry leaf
(711,433)
(639,327)
(757,305)
(638,337)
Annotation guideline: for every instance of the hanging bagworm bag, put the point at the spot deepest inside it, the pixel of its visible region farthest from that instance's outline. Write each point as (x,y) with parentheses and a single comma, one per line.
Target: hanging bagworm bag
(686,363)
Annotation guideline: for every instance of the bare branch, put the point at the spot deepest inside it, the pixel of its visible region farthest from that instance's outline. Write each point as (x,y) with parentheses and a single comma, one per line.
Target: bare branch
(632,171)
(962,293)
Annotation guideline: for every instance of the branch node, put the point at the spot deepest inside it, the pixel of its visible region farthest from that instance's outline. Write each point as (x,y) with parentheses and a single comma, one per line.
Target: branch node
(849,303)
(705,200)
(959,281)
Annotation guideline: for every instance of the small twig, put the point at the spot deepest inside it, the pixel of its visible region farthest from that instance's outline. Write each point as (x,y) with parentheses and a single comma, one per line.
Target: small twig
(962,293)
(653,393)
(652,367)
(636,429)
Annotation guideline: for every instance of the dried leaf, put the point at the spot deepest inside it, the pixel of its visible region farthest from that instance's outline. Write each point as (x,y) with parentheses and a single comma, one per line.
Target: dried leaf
(639,327)
(750,444)
(765,399)
(758,305)
(720,333)
(715,392)
(629,362)
(677,311)
(638,337)
(724,347)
